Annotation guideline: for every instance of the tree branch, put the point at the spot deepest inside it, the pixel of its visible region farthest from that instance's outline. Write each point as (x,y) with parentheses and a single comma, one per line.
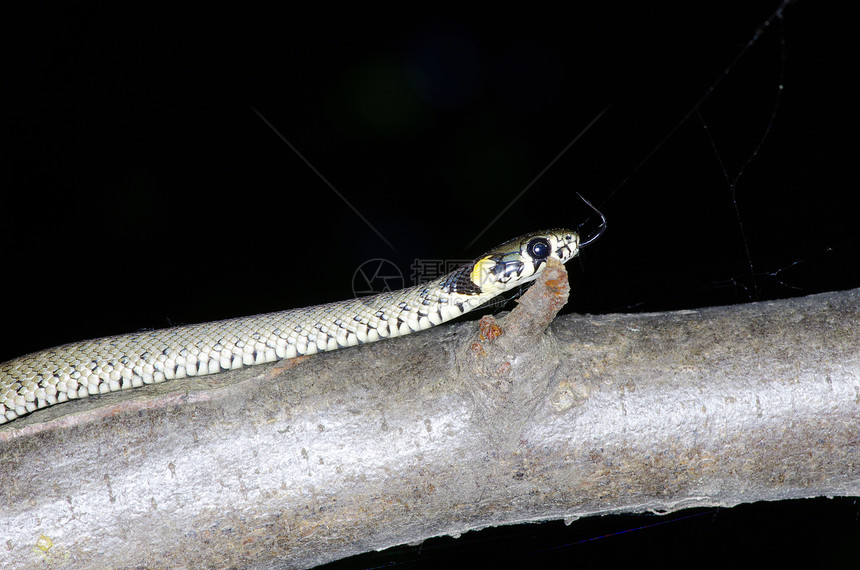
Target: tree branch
(458,428)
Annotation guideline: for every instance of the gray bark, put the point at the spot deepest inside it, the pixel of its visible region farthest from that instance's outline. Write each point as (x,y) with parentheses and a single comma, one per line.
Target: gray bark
(458,428)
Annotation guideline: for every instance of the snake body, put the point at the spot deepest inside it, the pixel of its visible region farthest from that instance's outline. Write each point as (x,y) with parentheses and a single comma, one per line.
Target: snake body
(121,362)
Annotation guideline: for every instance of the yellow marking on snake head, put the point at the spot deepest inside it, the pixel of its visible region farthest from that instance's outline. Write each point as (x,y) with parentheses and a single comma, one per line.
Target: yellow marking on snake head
(482,274)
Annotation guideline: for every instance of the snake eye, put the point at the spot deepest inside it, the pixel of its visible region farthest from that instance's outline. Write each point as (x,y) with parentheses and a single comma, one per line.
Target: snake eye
(538,248)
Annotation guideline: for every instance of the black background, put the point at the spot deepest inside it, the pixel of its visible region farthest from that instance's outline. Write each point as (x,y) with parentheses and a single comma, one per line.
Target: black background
(142,190)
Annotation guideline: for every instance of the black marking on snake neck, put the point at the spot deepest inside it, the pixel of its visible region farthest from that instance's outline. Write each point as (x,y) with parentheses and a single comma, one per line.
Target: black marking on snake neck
(460,281)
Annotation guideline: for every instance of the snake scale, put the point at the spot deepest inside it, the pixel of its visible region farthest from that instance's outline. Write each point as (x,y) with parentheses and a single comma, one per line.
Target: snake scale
(114,363)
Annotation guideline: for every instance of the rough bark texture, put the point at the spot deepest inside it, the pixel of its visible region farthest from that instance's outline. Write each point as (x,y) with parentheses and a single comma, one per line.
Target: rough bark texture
(458,428)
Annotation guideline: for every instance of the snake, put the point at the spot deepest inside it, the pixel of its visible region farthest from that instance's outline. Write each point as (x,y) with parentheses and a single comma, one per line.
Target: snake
(114,363)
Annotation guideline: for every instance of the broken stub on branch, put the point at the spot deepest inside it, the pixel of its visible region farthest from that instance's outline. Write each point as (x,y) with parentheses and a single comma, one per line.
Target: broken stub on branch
(534,312)
(507,364)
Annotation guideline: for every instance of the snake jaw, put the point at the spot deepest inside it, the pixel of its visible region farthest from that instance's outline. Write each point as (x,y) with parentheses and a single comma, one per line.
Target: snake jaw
(566,246)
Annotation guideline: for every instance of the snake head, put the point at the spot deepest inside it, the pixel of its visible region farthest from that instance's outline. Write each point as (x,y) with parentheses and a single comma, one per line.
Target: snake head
(521,260)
